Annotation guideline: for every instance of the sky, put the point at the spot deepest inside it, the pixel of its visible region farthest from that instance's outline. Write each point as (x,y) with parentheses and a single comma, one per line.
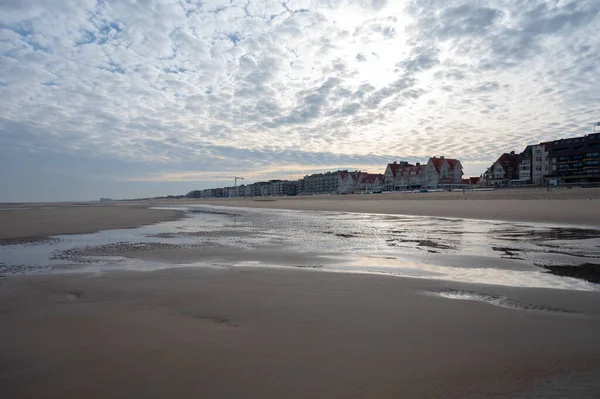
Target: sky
(129,99)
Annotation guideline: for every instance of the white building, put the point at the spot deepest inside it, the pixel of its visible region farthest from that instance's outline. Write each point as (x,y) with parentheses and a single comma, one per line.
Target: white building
(371,182)
(402,176)
(443,171)
(437,171)
(540,163)
(348,181)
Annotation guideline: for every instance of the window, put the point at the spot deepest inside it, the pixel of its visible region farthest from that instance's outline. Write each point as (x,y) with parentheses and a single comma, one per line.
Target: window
(563,159)
(539,168)
(538,159)
(563,166)
(577,157)
(577,165)
(592,171)
(592,162)
(591,154)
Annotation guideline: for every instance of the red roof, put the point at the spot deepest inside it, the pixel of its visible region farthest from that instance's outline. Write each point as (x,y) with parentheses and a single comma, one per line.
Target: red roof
(509,161)
(406,171)
(370,178)
(352,175)
(438,162)
(394,167)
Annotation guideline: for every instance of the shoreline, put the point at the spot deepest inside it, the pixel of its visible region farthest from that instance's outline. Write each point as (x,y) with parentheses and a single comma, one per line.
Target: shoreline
(30,223)
(563,210)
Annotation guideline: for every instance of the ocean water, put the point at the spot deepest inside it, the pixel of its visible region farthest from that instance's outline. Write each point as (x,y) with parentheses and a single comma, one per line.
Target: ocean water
(462,250)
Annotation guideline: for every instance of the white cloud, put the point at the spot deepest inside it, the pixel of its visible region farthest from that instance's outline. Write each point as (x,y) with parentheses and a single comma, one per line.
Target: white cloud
(228,81)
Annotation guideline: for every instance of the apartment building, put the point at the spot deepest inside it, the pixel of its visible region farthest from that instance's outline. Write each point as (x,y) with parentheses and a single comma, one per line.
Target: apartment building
(574,160)
(321,183)
(533,165)
(392,174)
(283,188)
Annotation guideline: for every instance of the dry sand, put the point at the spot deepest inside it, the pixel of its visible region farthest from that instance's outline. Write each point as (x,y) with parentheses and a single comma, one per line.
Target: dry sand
(253,333)
(30,222)
(566,206)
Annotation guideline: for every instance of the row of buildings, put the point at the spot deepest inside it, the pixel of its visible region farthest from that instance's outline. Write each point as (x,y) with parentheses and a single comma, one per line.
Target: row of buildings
(558,162)
(437,172)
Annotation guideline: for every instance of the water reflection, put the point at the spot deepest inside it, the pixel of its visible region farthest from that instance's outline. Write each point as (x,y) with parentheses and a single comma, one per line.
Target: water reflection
(508,253)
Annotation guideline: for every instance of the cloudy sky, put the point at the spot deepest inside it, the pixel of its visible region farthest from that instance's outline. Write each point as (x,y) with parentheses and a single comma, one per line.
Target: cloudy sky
(137,98)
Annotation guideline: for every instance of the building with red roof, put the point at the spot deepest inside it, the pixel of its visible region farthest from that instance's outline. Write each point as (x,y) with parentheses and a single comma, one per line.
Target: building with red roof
(371,182)
(505,169)
(348,181)
(443,171)
(436,172)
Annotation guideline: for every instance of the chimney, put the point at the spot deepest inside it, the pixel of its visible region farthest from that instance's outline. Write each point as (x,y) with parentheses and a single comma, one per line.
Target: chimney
(394,162)
(418,164)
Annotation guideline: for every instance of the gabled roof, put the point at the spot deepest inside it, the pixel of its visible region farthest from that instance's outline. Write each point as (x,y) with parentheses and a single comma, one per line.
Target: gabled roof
(405,171)
(370,177)
(438,162)
(509,161)
(352,175)
(396,166)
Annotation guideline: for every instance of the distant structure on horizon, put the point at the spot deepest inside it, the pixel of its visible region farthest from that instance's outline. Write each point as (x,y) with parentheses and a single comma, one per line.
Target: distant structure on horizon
(438,172)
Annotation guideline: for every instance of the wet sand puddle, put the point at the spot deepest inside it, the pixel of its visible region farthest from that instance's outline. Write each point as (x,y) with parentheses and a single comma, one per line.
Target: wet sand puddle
(472,251)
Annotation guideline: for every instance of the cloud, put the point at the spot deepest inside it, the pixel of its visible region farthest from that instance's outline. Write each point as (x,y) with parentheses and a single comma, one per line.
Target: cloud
(221,83)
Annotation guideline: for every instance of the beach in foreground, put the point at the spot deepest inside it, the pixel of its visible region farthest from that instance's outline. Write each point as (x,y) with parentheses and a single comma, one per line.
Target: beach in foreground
(253,333)
(230,331)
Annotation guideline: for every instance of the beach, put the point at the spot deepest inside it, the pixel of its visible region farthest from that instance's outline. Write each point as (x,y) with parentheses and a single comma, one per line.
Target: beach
(190,303)
(565,206)
(282,333)
(29,222)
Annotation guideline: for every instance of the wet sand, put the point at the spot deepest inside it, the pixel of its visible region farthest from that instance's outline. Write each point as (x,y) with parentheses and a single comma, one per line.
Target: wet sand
(34,222)
(259,333)
(566,206)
